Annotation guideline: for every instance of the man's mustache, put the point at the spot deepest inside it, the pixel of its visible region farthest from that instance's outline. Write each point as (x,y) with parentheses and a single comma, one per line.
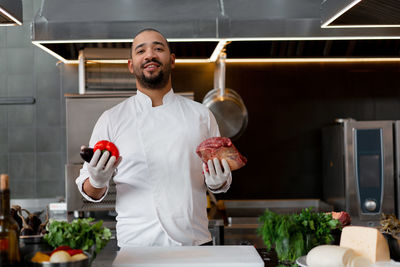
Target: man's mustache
(152,60)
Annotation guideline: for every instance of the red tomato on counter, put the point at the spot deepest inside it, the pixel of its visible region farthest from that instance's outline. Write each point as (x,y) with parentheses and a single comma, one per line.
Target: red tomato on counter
(66,248)
(73,252)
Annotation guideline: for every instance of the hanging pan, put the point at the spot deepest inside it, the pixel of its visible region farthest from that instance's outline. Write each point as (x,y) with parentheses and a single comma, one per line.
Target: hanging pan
(227,106)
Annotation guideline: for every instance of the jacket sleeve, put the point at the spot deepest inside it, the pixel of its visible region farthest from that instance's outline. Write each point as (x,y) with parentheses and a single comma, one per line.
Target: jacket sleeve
(214,132)
(100,132)
(213,126)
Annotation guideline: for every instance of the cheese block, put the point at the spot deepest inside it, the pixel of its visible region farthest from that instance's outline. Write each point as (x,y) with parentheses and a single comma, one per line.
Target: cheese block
(335,256)
(329,256)
(366,241)
(359,261)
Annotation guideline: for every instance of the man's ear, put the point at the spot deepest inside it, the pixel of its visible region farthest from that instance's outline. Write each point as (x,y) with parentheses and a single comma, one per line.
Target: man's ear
(130,65)
(173,60)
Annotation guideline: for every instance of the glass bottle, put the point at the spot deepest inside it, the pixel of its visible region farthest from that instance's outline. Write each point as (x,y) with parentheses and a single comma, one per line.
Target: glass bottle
(9,230)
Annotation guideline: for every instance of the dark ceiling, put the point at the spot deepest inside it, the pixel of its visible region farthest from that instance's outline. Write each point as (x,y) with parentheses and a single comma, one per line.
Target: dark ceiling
(260,49)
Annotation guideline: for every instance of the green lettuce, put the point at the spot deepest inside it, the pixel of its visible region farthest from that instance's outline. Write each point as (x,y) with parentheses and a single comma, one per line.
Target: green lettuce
(78,234)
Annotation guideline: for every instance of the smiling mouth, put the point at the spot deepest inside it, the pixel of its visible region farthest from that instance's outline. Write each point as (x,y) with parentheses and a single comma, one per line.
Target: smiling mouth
(151,67)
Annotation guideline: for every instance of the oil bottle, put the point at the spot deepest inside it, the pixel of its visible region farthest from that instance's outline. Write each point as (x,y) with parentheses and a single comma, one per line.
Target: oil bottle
(9,229)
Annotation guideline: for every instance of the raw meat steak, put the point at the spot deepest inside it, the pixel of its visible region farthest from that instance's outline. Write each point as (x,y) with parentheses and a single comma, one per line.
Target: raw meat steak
(221,148)
(342,216)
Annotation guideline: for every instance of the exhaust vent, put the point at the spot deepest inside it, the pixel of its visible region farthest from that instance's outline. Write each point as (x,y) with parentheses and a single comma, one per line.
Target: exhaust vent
(196,28)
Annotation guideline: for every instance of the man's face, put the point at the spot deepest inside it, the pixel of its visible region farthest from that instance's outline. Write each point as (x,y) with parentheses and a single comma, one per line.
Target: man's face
(151,61)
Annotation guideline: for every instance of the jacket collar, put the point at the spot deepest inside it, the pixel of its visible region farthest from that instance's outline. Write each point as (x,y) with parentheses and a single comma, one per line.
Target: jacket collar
(144,101)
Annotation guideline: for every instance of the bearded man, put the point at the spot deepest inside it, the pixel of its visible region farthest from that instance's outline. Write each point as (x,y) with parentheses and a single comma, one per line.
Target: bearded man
(161,188)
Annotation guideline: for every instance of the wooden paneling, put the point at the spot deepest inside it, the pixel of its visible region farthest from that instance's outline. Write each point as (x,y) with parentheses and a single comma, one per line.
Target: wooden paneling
(288,103)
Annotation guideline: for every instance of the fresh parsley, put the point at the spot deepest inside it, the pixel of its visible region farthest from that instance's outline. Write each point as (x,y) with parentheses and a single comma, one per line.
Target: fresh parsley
(293,235)
(78,234)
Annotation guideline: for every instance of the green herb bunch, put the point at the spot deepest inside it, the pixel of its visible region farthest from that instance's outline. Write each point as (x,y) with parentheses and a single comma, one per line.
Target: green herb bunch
(79,234)
(293,235)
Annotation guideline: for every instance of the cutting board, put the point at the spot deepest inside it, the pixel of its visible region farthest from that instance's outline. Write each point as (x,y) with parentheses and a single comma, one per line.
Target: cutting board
(190,256)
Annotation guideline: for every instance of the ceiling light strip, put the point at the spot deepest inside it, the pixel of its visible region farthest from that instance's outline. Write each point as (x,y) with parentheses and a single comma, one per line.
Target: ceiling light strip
(321,38)
(2,10)
(218,49)
(125,61)
(51,52)
(122,40)
(321,60)
(338,14)
(365,26)
(253,60)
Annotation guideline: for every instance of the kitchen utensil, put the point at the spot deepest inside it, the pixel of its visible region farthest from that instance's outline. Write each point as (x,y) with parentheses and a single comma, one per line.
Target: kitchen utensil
(227,106)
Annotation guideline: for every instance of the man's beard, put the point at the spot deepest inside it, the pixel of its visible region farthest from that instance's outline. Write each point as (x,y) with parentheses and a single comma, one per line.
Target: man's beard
(154,82)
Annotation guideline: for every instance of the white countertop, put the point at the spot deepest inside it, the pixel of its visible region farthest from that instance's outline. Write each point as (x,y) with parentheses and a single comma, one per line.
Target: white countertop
(190,256)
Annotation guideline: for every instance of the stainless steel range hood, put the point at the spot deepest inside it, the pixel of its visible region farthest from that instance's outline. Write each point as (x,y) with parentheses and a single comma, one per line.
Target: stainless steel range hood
(196,29)
(360,13)
(10,12)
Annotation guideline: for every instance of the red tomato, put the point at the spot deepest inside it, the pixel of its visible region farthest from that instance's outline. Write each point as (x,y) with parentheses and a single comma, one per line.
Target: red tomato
(72,252)
(104,145)
(66,248)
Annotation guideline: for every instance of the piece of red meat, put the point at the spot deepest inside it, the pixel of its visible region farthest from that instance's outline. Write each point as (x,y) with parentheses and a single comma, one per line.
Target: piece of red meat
(342,216)
(221,148)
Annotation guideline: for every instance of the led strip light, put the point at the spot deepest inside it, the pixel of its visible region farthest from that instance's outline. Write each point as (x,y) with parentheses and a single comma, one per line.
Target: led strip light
(11,17)
(341,12)
(344,10)
(221,44)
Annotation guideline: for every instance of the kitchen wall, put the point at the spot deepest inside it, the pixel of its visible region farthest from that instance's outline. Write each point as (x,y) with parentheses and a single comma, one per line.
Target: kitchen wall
(288,103)
(32,150)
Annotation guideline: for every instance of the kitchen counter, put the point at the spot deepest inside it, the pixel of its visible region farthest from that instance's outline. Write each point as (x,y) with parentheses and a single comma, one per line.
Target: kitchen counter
(106,255)
(109,252)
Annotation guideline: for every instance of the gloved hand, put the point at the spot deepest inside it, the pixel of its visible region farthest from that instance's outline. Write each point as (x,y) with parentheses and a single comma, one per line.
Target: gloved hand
(100,174)
(215,177)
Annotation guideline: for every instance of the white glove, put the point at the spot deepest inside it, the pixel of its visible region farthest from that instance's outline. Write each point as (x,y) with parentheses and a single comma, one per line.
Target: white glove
(215,177)
(100,174)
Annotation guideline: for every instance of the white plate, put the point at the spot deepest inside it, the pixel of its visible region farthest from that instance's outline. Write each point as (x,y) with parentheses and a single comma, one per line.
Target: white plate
(302,262)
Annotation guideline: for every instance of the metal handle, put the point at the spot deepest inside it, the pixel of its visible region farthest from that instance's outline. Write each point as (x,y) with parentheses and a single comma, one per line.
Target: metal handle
(81,73)
(370,205)
(16,100)
(221,84)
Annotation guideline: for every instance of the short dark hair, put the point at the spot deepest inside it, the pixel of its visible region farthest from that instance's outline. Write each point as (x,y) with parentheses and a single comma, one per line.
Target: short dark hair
(148,30)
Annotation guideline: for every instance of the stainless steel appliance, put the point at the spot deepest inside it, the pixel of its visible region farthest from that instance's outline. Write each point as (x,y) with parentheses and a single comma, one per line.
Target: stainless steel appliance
(82,112)
(359,168)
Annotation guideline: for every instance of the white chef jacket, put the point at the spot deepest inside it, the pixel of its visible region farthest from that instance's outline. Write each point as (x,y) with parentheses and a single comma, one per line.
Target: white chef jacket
(161,192)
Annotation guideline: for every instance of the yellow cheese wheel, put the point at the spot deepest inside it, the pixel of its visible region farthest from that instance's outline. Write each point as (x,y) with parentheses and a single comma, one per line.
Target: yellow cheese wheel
(366,241)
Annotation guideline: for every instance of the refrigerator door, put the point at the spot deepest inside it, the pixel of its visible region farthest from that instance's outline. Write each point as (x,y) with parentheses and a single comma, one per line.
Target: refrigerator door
(397,166)
(369,170)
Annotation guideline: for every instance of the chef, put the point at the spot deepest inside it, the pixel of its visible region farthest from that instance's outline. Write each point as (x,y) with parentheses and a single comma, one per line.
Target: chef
(161,188)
